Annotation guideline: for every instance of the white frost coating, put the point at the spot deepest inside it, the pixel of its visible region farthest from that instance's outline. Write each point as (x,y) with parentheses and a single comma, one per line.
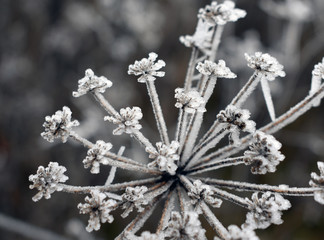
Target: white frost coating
(203,192)
(98,208)
(266,65)
(317,77)
(147,69)
(59,125)
(165,157)
(318,181)
(128,121)
(96,155)
(266,210)
(46,180)
(268,99)
(263,154)
(219,69)
(220,14)
(201,38)
(144,236)
(190,101)
(134,197)
(241,234)
(91,83)
(235,120)
(186,227)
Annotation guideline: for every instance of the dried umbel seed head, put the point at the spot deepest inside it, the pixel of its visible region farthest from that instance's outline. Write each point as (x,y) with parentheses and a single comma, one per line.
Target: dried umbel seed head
(264,154)
(128,121)
(318,181)
(59,125)
(92,83)
(218,70)
(46,180)
(266,65)
(165,158)
(241,234)
(98,208)
(147,68)
(266,210)
(235,120)
(134,197)
(96,155)
(220,14)
(190,101)
(187,226)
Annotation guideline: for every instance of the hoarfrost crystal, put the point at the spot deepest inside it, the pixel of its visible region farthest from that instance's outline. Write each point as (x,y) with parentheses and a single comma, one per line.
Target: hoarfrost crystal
(318,182)
(215,69)
(134,197)
(190,101)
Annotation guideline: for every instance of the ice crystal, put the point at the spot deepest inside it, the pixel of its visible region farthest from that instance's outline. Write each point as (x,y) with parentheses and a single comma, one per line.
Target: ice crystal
(165,158)
(266,210)
(266,65)
(172,171)
(59,125)
(220,14)
(185,227)
(98,208)
(95,156)
(147,68)
(318,182)
(47,180)
(264,154)
(190,101)
(215,69)
(319,70)
(127,121)
(92,83)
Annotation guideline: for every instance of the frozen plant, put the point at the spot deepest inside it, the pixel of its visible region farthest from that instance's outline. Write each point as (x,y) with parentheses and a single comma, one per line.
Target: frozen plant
(173,171)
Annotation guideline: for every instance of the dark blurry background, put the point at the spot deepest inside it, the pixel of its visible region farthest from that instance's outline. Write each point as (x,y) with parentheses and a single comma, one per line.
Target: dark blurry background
(45,47)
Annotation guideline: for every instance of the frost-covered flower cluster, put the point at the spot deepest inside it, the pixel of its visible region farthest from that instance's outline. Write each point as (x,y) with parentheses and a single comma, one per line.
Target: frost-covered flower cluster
(172,173)
(266,210)
(264,154)
(59,125)
(165,157)
(92,83)
(147,68)
(98,208)
(221,13)
(47,180)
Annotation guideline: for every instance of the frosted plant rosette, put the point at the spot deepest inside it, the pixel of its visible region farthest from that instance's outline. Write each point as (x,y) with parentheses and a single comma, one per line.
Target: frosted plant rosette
(172,175)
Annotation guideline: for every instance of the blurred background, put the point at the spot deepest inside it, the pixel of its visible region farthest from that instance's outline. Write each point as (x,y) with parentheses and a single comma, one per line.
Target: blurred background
(45,47)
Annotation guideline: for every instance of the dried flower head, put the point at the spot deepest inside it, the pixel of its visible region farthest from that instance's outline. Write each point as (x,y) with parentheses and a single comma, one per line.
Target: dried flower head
(98,208)
(319,70)
(203,192)
(128,121)
(266,210)
(147,68)
(46,180)
(215,69)
(264,154)
(58,125)
(318,182)
(190,101)
(96,155)
(236,120)
(184,227)
(92,83)
(220,14)
(266,65)
(241,234)
(165,158)
(134,197)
